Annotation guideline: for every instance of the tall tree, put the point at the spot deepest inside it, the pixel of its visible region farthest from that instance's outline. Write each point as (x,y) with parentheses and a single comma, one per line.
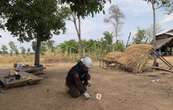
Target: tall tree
(77,24)
(36,19)
(115,18)
(81,9)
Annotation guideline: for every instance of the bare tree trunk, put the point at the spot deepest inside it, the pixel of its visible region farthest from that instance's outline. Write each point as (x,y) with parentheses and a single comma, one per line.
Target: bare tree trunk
(78,31)
(37,52)
(82,51)
(154,30)
(116,32)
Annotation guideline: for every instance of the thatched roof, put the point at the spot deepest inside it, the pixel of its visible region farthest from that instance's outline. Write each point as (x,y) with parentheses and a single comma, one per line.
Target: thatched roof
(162,42)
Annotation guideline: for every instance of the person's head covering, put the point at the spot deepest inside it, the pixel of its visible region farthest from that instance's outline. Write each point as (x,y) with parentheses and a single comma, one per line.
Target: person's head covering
(87,61)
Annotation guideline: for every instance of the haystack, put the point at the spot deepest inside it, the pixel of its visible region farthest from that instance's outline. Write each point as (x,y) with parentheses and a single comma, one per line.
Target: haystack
(113,56)
(135,58)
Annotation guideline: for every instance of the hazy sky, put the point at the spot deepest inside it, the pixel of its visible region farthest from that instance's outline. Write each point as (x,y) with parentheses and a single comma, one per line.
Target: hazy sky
(137,14)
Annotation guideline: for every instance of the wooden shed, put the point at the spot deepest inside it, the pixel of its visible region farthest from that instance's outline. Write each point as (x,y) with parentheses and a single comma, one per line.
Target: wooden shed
(164,43)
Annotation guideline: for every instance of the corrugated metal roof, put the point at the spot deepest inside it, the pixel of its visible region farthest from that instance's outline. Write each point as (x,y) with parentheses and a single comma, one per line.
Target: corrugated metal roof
(164,32)
(162,42)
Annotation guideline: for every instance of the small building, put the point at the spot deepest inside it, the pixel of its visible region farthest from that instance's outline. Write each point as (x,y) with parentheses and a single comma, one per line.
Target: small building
(164,43)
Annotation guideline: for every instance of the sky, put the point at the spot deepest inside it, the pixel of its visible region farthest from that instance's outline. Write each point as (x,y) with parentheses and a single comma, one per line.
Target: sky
(137,14)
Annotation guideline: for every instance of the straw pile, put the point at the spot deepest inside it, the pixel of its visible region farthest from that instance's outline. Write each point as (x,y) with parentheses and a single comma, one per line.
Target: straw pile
(135,58)
(113,56)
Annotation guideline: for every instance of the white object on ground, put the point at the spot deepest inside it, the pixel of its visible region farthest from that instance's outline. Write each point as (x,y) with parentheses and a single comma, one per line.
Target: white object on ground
(152,81)
(155,80)
(86,95)
(98,96)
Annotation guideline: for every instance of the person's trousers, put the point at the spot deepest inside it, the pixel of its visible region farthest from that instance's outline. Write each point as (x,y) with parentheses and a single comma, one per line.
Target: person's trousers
(74,92)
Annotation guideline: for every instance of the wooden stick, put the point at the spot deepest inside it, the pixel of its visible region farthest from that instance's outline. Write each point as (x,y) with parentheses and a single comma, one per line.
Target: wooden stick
(163,59)
(162,69)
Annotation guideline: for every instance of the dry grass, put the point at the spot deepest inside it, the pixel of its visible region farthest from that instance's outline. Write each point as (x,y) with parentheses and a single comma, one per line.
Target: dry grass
(52,58)
(8,61)
(112,56)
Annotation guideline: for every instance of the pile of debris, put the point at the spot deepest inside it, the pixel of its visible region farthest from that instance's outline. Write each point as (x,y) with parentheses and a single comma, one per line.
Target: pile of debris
(133,59)
(36,70)
(20,75)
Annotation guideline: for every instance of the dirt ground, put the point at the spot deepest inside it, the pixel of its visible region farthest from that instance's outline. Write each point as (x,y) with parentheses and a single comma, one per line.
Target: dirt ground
(120,91)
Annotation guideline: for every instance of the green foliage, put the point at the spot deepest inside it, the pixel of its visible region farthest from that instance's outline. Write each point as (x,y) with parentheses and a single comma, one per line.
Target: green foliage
(29,19)
(69,46)
(140,36)
(4,49)
(36,19)
(106,42)
(94,47)
(90,45)
(4,4)
(108,37)
(85,7)
(119,46)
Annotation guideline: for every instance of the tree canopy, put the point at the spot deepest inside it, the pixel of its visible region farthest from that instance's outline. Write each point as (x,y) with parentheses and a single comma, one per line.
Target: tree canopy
(162,3)
(4,5)
(85,7)
(29,19)
(35,19)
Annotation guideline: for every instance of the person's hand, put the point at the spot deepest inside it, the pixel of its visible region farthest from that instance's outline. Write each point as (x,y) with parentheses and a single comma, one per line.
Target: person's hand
(86,95)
